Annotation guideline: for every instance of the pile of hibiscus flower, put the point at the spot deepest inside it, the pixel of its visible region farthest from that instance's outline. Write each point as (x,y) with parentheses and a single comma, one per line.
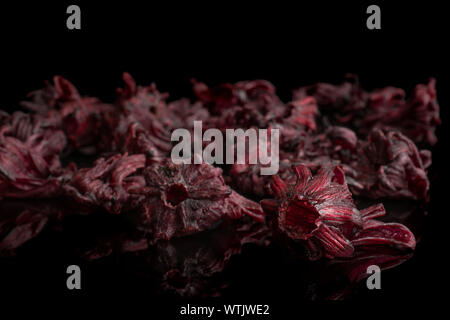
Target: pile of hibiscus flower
(75,155)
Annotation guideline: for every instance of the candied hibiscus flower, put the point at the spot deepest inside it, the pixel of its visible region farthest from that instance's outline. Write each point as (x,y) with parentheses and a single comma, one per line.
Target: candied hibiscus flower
(125,133)
(342,101)
(140,141)
(317,209)
(108,183)
(335,143)
(247,178)
(296,124)
(79,117)
(140,122)
(51,96)
(184,199)
(320,211)
(416,117)
(184,114)
(32,168)
(133,97)
(187,220)
(22,125)
(243,104)
(385,245)
(390,165)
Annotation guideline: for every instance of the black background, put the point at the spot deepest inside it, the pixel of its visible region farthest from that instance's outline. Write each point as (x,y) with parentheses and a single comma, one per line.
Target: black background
(226,41)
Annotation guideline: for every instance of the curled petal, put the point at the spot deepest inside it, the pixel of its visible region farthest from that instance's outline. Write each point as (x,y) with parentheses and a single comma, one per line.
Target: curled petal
(373,212)
(392,234)
(303,176)
(278,186)
(333,242)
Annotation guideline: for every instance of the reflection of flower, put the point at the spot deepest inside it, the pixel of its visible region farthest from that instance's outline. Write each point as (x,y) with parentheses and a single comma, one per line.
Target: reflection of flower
(21,221)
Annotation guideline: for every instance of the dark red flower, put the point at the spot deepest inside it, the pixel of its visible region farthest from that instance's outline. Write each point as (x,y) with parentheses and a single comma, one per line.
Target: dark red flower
(241,105)
(341,141)
(139,123)
(385,245)
(79,117)
(387,108)
(342,102)
(390,165)
(108,183)
(21,221)
(334,144)
(134,98)
(184,114)
(32,168)
(318,209)
(416,117)
(185,199)
(141,141)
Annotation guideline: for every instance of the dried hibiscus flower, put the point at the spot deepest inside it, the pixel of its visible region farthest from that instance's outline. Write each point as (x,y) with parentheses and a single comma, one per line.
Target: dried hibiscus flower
(185,199)
(343,102)
(416,117)
(79,117)
(320,211)
(390,165)
(139,123)
(31,168)
(242,105)
(297,123)
(387,108)
(134,98)
(141,141)
(317,209)
(108,183)
(385,245)
(341,140)
(334,144)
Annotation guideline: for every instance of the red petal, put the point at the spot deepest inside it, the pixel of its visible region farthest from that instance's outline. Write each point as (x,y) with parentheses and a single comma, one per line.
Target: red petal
(391,234)
(372,212)
(333,242)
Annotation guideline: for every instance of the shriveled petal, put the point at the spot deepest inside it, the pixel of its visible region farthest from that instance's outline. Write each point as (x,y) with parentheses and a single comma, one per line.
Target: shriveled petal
(303,176)
(278,187)
(390,234)
(373,212)
(333,242)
